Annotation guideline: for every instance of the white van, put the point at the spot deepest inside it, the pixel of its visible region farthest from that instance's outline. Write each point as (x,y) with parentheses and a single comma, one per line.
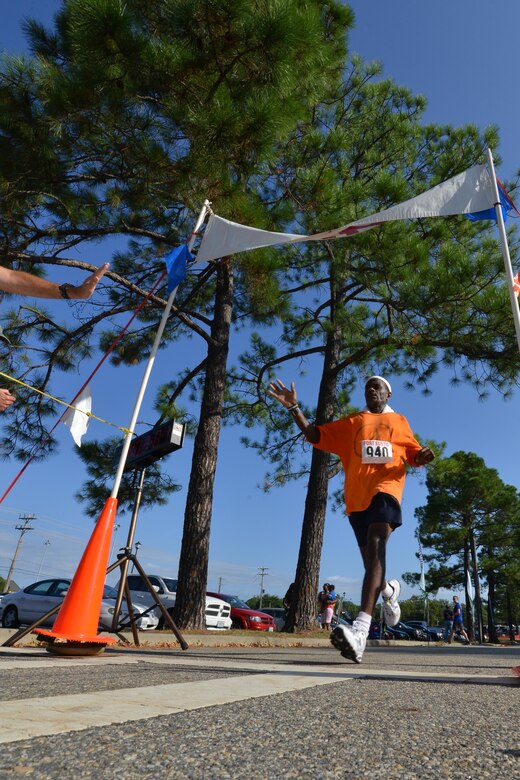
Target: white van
(218,612)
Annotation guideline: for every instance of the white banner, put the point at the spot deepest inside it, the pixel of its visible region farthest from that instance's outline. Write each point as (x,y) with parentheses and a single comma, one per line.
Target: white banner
(467,193)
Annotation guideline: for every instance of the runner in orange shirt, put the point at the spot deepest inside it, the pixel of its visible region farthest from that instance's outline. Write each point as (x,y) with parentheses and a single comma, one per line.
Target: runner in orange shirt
(373,446)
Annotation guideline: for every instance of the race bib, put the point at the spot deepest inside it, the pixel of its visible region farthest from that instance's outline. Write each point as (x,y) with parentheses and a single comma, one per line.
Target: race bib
(375,451)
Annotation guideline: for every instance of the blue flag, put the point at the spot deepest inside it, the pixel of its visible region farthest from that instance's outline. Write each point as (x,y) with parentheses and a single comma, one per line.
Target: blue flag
(505,200)
(177,265)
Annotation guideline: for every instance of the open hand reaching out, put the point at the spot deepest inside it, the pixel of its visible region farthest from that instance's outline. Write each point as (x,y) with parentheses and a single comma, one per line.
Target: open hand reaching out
(86,289)
(279,391)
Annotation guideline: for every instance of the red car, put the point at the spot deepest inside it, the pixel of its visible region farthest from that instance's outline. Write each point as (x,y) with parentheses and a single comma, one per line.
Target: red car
(243,617)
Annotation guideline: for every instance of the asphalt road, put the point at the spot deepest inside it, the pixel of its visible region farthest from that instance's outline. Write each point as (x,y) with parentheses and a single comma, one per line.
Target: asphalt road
(261,712)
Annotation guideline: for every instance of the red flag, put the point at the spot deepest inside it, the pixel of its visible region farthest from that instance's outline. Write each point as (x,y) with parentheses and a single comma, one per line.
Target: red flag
(516,284)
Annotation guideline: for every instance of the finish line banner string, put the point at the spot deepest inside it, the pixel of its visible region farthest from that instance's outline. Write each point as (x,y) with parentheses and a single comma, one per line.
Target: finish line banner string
(64,403)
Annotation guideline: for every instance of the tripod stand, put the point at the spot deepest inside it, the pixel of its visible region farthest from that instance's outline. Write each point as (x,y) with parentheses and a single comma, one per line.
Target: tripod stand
(123,560)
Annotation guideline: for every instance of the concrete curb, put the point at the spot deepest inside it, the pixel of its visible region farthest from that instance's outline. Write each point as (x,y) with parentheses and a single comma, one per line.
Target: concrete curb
(226,639)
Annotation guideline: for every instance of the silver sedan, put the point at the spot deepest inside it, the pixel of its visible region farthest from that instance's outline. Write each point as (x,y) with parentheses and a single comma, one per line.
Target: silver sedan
(30,604)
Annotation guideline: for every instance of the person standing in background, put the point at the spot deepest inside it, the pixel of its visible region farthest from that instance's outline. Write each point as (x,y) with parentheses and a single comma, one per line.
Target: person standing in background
(458,622)
(448,622)
(326,608)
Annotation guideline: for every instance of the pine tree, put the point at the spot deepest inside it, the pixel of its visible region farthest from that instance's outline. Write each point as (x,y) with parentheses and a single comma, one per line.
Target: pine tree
(127,116)
(403,298)
(470,521)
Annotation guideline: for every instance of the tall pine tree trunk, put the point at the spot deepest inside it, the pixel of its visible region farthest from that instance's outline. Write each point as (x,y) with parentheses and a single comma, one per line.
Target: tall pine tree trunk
(491,583)
(510,615)
(193,565)
(304,606)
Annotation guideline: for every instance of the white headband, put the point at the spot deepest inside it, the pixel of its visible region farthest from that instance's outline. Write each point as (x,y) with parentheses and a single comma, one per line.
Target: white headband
(386,382)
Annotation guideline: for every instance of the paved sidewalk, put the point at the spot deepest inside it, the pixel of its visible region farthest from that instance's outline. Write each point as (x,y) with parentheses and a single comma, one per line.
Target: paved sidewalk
(260,712)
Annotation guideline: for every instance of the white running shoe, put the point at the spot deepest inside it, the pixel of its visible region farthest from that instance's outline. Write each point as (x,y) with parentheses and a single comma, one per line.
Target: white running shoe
(350,642)
(391,609)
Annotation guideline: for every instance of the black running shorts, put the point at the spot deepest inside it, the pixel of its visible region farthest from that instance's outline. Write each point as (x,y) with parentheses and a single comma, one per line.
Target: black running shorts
(383,508)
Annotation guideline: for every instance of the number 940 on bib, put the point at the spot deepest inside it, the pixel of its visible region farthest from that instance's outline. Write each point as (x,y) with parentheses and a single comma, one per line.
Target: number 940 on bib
(376,451)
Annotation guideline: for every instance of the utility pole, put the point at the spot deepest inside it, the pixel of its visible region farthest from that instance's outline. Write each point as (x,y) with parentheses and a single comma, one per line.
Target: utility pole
(220,580)
(262,572)
(22,528)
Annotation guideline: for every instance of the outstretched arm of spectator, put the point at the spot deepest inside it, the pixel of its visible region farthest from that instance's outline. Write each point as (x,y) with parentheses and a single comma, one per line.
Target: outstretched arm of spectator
(23,283)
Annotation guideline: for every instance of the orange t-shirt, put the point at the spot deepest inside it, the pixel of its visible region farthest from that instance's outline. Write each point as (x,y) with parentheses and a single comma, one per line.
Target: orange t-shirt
(372,449)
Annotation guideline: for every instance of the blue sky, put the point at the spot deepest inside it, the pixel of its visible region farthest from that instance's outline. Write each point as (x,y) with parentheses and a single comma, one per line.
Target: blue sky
(460,57)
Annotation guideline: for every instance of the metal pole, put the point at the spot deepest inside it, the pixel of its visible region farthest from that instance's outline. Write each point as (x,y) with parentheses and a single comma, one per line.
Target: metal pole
(128,549)
(477,611)
(149,366)
(505,248)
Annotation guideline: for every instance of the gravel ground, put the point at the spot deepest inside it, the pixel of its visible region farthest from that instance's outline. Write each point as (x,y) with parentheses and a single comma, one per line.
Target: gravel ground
(357,729)
(30,683)
(400,729)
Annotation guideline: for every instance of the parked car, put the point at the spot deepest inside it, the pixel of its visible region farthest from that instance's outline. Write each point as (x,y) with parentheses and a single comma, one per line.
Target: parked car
(435,633)
(375,631)
(392,632)
(243,616)
(218,612)
(504,633)
(412,631)
(28,605)
(278,615)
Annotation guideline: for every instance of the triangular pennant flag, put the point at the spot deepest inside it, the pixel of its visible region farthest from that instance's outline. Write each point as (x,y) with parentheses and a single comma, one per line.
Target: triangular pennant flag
(469,192)
(490,213)
(223,237)
(422,582)
(177,265)
(77,419)
(469,585)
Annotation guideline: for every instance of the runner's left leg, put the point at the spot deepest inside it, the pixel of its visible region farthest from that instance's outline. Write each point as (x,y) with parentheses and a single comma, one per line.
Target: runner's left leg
(374,559)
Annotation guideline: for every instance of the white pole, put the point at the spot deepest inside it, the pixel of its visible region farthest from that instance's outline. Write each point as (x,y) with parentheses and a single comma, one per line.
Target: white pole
(505,248)
(149,365)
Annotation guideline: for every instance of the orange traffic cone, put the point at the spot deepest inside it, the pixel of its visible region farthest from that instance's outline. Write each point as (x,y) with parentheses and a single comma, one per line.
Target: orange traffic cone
(78,618)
